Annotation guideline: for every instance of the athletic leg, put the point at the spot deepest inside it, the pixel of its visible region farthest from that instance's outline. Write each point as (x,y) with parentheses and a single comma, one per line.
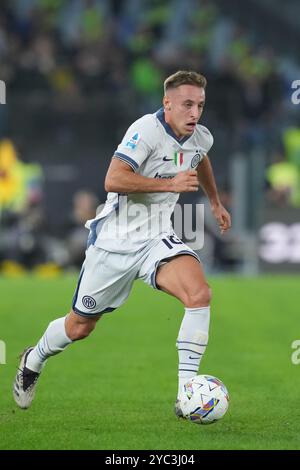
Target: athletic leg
(183,278)
(59,334)
(104,284)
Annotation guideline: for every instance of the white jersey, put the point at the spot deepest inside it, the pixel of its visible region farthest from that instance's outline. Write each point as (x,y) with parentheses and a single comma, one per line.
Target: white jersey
(151,148)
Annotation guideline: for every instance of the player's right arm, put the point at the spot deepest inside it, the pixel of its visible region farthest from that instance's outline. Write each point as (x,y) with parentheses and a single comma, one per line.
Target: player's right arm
(121,178)
(138,144)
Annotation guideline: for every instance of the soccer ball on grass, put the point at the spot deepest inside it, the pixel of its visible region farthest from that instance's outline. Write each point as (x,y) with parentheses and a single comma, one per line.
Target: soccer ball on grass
(204,399)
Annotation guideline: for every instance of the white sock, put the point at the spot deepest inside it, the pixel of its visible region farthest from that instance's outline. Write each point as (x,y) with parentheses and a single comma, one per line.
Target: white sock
(52,342)
(191,342)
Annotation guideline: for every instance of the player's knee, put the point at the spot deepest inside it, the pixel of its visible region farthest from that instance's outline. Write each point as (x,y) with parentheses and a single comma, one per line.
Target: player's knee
(81,330)
(198,298)
(78,327)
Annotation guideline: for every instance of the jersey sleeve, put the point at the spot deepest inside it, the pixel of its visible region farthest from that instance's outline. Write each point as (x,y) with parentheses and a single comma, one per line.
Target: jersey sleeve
(208,139)
(138,142)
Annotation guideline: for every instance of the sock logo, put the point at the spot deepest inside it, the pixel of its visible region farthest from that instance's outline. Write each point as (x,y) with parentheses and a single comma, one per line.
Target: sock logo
(190,357)
(89,302)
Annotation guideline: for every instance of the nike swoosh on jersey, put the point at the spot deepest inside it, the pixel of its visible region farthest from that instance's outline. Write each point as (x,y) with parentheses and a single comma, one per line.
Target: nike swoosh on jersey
(190,357)
(166,159)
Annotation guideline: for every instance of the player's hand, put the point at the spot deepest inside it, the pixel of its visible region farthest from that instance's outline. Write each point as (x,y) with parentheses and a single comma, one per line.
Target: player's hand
(185,182)
(222,216)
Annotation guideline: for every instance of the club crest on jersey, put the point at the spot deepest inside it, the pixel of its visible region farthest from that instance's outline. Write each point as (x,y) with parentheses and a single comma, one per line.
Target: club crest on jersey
(178,158)
(89,302)
(196,160)
(132,143)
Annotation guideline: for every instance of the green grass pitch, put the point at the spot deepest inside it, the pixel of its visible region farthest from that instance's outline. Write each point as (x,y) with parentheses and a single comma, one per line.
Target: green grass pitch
(116,389)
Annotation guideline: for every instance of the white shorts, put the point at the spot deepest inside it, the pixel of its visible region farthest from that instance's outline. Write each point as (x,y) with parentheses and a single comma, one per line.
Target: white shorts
(106,278)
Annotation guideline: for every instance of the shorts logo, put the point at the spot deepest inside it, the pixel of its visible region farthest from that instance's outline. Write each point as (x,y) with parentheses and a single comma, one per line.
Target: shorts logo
(132,143)
(195,160)
(89,302)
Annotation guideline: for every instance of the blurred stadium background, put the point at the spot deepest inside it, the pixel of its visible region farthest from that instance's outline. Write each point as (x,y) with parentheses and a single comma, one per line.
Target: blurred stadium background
(78,72)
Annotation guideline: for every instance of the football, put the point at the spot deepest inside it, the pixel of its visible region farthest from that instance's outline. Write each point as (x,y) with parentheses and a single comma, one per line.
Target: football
(204,399)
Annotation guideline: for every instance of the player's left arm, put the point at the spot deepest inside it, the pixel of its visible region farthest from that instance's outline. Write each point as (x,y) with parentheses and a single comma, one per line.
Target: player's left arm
(208,184)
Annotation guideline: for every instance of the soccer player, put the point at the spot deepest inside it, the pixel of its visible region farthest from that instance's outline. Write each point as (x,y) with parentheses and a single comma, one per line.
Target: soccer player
(161,155)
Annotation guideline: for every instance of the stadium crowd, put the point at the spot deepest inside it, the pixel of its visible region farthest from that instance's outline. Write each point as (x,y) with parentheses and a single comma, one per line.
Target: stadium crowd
(74,53)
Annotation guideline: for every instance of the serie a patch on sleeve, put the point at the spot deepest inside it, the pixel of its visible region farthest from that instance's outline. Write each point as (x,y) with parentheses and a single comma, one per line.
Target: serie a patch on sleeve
(133,141)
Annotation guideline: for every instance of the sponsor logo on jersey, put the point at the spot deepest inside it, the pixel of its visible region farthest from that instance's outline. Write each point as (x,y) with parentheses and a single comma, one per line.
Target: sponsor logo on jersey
(166,159)
(89,302)
(164,176)
(132,143)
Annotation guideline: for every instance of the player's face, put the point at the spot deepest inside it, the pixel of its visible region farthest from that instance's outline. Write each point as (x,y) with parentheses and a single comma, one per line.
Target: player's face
(183,108)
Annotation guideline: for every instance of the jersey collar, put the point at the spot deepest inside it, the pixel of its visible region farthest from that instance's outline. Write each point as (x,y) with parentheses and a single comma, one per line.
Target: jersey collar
(161,117)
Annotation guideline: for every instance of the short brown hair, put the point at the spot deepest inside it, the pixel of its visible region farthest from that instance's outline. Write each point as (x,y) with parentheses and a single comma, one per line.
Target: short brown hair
(184,77)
